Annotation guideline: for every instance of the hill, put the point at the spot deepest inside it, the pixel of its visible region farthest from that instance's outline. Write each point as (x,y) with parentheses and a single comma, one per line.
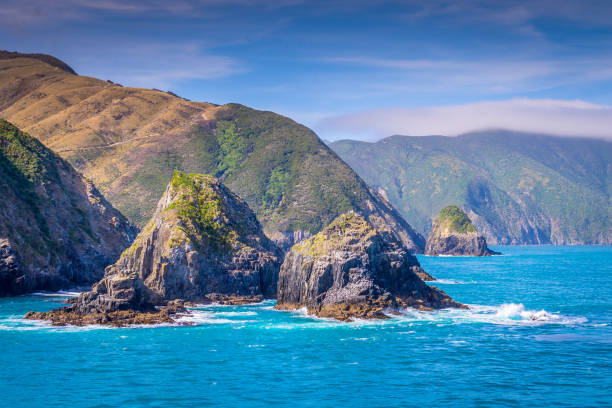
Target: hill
(129,141)
(517,188)
(56,230)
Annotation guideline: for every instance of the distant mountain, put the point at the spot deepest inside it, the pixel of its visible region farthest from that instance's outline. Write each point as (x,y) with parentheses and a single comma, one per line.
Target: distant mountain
(56,230)
(517,188)
(129,141)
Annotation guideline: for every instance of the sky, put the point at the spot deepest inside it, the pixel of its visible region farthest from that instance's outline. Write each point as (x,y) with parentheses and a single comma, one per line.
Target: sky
(348,69)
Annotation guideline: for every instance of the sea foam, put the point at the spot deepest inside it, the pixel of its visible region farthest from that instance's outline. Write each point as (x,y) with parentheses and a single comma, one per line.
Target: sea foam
(61,293)
(505,314)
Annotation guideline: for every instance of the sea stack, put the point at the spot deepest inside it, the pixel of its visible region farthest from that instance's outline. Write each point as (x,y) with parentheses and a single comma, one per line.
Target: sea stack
(453,233)
(353,270)
(203,244)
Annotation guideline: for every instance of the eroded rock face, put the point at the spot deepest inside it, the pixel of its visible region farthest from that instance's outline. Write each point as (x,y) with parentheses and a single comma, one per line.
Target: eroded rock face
(453,233)
(202,244)
(56,230)
(353,270)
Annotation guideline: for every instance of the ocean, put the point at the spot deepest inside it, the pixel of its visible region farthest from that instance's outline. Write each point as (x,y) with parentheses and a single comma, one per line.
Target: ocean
(538,334)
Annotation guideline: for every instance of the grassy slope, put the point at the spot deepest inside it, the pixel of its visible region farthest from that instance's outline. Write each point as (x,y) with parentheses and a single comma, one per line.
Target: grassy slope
(129,141)
(518,188)
(63,234)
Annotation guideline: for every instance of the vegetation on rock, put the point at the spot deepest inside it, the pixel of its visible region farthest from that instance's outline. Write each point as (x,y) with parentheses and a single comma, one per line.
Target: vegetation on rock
(351,269)
(202,244)
(454,219)
(200,208)
(453,233)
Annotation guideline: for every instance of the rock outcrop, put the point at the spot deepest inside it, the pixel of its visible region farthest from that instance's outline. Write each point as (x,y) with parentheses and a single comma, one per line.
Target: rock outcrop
(453,233)
(203,244)
(56,230)
(353,270)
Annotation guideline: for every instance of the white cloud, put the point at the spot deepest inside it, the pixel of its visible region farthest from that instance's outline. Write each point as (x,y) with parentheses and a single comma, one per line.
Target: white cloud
(484,76)
(549,116)
(156,65)
(20,12)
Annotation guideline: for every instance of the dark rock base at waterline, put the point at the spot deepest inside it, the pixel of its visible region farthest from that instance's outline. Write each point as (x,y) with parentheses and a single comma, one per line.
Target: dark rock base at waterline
(71,316)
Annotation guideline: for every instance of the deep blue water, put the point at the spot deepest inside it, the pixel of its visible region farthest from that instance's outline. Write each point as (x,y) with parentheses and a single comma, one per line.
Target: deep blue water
(494,355)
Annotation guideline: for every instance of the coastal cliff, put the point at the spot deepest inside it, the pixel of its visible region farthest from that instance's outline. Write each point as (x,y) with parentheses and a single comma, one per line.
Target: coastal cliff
(353,270)
(453,233)
(56,230)
(203,244)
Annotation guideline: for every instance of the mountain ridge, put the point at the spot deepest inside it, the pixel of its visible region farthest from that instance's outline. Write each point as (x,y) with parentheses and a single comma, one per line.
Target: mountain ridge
(518,188)
(131,140)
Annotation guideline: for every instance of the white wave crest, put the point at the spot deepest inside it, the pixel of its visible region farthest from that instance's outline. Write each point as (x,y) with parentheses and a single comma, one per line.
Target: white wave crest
(60,293)
(230,314)
(199,317)
(447,282)
(506,314)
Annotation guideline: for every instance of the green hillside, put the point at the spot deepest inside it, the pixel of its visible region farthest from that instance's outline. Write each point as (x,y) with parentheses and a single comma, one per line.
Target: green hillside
(56,230)
(516,187)
(129,141)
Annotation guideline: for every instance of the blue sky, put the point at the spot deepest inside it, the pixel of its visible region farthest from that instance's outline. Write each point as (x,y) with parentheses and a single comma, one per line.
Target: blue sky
(361,69)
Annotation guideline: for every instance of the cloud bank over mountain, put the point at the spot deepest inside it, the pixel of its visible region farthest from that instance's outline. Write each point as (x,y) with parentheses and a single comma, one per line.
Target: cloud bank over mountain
(549,116)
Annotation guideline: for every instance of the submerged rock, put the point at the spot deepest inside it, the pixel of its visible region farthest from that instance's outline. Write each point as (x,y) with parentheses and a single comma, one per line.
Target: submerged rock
(353,270)
(56,230)
(453,233)
(203,244)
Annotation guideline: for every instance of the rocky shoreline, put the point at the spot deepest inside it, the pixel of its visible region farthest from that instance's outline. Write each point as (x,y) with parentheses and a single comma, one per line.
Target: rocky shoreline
(168,314)
(204,245)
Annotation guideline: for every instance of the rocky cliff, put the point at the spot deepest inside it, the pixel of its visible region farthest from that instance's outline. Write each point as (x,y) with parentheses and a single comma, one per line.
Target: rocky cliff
(453,233)
(130,140)
(353,270)
(56,230)
(202,244)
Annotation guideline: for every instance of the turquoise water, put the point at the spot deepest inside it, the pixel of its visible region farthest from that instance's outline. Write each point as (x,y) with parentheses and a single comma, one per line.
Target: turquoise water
(539,334)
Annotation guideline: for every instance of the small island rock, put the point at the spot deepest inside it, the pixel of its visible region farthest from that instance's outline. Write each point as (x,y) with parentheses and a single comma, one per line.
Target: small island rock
(453,233)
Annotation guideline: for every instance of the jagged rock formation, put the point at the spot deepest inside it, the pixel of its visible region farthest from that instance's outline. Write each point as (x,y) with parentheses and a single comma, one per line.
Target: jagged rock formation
(353,270)
(454,234)
(202,244)
(130,140)
(56,230)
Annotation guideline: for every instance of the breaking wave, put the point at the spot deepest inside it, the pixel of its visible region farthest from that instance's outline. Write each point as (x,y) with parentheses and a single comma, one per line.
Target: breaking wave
(505,314)
(61,293)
